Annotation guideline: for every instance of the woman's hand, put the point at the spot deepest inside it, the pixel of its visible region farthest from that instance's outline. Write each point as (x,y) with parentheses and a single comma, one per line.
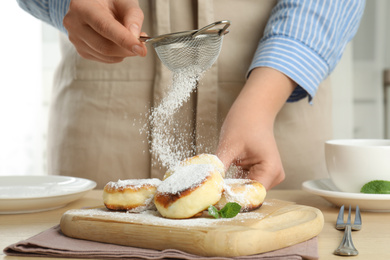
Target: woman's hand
(247,138)
(105,30)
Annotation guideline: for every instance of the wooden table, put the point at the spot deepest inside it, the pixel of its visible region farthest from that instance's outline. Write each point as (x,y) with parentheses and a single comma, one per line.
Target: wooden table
(373,241)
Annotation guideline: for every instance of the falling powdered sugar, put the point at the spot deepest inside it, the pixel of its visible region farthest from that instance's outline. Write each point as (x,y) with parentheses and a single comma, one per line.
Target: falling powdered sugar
(167,147)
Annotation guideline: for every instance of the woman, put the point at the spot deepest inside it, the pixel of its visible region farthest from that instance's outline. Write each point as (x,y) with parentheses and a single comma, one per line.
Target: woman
(285,49)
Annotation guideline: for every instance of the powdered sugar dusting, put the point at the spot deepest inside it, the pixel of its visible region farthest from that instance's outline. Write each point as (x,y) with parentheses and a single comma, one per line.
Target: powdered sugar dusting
(268,203)
(151,217)
(185,177)
(230,181)
(239,197)
(149,205)
(134,183)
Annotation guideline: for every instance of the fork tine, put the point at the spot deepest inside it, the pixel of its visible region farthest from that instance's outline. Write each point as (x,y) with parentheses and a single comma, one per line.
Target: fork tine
(340,218)
(349,216)
(358,218)
(357,224)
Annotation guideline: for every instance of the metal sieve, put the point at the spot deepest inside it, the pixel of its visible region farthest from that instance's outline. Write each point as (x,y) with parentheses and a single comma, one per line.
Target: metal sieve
(198,49)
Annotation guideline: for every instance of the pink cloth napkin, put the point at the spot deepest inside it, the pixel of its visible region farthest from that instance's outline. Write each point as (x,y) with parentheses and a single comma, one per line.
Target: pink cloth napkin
(52,243)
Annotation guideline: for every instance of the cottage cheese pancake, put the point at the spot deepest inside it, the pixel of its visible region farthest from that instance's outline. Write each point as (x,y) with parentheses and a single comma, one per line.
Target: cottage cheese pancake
(130,195)
(189,190)
(199,159)
(250,194)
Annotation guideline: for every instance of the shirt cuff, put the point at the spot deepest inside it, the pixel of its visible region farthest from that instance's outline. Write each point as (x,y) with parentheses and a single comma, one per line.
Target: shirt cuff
(296,60)
(58,10)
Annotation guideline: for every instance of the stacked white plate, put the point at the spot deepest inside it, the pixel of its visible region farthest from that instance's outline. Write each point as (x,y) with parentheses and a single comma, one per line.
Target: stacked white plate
(25,194)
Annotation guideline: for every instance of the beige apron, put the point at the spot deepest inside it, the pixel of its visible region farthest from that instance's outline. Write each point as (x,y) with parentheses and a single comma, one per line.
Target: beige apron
(98,109)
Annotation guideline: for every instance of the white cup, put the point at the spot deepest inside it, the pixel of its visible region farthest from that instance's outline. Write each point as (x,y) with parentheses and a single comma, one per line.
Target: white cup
(352,163)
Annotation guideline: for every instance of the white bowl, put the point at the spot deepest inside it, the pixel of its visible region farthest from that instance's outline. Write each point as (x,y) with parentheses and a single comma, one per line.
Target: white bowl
(352,163)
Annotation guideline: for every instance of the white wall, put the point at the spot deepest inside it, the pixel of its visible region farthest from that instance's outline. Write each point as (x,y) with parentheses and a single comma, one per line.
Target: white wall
(21,92)
(50,59)
(359,110)
(371,47)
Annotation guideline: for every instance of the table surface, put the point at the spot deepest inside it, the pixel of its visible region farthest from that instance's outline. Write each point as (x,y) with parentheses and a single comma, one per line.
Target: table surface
(372,241)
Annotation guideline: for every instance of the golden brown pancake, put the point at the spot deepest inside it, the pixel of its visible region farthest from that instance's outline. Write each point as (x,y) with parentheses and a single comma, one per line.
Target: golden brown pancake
(130,195)
(199,159)
(189,190)
(250,194)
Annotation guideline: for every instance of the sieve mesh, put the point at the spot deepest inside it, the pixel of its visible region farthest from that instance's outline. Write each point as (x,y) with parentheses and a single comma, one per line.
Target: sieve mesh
(199,52)
(197,49)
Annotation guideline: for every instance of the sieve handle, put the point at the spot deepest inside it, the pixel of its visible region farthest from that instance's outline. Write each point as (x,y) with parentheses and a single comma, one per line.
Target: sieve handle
(144,38)
(221,31)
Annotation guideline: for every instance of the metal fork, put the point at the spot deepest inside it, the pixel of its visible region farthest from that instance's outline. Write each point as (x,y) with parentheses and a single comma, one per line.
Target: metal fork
(346,247)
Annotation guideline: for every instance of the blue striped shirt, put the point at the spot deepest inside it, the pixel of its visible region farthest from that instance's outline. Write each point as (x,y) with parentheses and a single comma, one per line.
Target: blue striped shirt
(304,39)
(49,11)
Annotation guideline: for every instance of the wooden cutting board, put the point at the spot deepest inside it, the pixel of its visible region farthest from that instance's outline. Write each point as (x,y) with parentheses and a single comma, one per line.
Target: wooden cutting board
(275,225)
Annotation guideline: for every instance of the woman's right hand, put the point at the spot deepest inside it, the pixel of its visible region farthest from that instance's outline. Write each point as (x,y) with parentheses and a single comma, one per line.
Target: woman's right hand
(105,30)
(247,139)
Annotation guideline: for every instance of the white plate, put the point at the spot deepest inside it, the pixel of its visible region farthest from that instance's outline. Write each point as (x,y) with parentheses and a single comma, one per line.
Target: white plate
(367,202)
(25,194)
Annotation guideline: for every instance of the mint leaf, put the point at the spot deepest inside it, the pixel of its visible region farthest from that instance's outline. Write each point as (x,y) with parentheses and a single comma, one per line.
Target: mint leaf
(376,187)
(213,211)
(230,210)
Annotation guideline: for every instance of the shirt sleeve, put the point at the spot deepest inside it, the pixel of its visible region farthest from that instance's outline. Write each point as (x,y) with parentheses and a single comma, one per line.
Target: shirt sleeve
(49,11)
(305,40)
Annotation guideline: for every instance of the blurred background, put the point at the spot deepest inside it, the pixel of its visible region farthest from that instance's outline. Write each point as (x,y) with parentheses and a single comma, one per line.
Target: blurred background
(30,54)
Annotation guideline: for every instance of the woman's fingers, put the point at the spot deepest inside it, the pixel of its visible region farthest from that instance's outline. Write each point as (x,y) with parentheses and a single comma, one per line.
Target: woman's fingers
(98,32)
